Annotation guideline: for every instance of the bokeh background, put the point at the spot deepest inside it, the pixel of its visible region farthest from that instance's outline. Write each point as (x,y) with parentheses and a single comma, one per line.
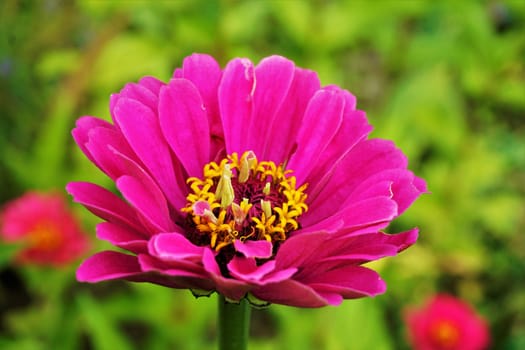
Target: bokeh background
(444,79)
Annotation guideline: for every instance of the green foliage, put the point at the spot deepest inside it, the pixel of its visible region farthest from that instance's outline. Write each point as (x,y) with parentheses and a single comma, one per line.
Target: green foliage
(445,80)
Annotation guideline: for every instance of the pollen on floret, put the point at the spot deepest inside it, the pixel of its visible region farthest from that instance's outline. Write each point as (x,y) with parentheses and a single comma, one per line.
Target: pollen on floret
(242,198)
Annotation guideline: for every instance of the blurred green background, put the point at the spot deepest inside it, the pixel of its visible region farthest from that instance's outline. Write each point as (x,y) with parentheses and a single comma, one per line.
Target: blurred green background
(444,79)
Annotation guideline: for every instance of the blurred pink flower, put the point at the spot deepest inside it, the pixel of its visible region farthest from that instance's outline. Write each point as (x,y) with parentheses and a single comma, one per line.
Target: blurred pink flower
(250,181)
(46,228)
(446,323)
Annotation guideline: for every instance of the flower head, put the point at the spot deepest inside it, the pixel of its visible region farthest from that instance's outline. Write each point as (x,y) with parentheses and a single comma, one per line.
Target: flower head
(46,228)
(447,323)
(249,180)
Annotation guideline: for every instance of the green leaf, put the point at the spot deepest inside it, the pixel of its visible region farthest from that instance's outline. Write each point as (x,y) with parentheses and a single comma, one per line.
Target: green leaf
(7,252)
(101,326)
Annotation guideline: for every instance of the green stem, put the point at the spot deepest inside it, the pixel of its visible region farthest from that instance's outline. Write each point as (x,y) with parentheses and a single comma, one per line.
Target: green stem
(234,322)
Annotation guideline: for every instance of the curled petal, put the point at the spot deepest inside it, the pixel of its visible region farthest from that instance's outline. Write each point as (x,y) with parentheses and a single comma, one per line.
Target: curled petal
(254,249)
(174,247)
(108,265)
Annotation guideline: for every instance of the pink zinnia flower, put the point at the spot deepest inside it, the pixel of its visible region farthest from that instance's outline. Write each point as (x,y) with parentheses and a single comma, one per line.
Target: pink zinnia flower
(250,181)
(446,323)
(46,228)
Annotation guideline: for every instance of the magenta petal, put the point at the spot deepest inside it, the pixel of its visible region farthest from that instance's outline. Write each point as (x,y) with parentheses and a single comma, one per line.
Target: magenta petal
(103,143)
(405,187)
(108,265)
(236,102)
(366,159)
(81,133)
(254,249)
(273,77)
(184,123)
(369,211)
(349,281)
(229,287)
(184,274)
(293,293)
(142,94)
(179,268)
(122,237)
(152,84)
(379,188)
(354,128)
(104,204)
(141,129)
(297,250)
(361,255)
(354,249)
(362,213)
(285,127)
(319,125)
(246,269)
(148,200)
(173,247)
(205,73)
(402,240)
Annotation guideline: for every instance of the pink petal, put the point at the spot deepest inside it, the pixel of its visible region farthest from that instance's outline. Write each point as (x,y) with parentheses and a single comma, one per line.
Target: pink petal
(108,265)
(362,213)
(121,237)
(102,145)
(254,249)
(359,255)
(354,128)
(152,84)
(379,188)
(349,281)
(149,201)
(184,124)
(407,190)
(142,94)
(104,204)
(293,293)
(366,159)
(405,187)
(80,133)
(205,73)
(273,77)
(246,269)
(180,268)
(321,121)
(141,129)
(173,247)
(229,287)
(236,91)
(297,250)
(285,125)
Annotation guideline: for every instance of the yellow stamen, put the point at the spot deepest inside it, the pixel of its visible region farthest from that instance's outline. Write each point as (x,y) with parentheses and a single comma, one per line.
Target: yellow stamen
(218,214)
(247,161)
(224,190)
(267,208)
(267,188)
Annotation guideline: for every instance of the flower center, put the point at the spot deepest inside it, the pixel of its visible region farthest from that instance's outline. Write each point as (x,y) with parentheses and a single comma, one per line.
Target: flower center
(243,198)
(444,334)
(44,237)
